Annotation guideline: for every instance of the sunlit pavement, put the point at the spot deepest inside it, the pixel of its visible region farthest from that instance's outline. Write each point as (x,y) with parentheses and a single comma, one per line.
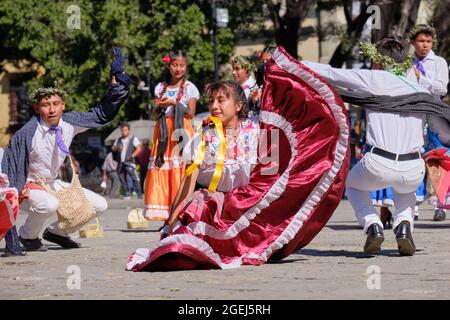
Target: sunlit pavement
(332,266)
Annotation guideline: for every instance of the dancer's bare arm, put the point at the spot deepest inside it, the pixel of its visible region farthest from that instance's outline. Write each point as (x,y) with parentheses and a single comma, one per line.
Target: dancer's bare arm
(186,190)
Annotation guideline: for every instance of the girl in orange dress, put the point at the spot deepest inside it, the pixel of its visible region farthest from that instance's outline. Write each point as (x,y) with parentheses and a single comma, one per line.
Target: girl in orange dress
(176,99)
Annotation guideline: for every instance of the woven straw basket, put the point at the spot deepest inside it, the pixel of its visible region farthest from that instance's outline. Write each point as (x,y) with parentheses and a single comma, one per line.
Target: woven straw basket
(92,231)
(74,208)
(136,219)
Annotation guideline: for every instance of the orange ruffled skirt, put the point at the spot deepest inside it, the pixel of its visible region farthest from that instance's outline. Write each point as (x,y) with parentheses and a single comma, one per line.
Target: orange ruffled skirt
(161,184)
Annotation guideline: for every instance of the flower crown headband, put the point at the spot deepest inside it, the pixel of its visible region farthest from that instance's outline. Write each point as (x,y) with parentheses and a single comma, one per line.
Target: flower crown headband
(245,63)
(46,92)
(369,50)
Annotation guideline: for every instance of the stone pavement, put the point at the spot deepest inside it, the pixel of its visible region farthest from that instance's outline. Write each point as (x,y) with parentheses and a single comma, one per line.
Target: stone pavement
(332,266)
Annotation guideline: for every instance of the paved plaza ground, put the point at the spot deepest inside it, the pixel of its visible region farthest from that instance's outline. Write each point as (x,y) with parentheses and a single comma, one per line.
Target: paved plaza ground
(332,266)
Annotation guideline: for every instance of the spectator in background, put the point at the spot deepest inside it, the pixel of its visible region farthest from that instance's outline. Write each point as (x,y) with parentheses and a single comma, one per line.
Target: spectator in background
(127,147)
(92,179)
(142,160)
(111,177)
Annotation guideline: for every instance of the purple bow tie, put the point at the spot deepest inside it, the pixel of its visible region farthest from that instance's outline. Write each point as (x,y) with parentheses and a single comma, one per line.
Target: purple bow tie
(59,139)
(419,66)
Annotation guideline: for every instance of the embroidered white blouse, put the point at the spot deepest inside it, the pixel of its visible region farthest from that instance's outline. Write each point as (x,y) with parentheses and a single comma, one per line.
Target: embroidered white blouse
(189,91)
(241,155)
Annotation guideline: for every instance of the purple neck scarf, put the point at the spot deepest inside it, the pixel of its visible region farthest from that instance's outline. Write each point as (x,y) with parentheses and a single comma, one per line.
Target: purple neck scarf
(419,66)
(59,139)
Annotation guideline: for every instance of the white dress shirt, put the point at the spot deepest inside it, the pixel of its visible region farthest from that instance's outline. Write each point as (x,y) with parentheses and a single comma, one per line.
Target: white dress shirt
(436,75)
(249,85)
(45,157)
(394,132)
(436,81)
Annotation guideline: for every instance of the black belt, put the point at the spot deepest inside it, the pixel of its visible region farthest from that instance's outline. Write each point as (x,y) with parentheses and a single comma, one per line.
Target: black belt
(393,156)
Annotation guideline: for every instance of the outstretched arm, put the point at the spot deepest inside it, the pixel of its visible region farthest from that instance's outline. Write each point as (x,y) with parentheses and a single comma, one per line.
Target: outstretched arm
(104,112)
(109,106)
(355,79)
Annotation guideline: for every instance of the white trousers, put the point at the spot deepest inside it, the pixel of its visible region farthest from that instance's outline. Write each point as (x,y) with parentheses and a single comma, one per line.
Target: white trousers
(42,205)
(374,172)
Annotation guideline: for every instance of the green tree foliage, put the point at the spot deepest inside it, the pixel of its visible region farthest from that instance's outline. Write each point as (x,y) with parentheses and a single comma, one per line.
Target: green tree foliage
(77,60)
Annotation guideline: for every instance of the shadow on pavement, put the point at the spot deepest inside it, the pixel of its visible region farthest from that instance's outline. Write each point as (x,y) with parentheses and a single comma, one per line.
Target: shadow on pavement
(435,225)
(418,225)
(56,248)
(347,254)
(285,261)
(344,227)
(134,230)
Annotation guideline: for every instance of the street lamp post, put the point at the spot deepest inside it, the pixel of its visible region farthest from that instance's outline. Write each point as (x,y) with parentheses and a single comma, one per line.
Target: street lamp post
(220,20)
(147,66)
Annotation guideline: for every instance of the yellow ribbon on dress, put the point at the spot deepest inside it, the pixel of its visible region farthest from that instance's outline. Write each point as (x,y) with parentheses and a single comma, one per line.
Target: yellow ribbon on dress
(220,156)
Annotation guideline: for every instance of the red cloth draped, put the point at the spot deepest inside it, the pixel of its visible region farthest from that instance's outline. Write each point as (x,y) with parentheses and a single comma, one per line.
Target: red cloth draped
(9,208)
(438,164)
(275,214)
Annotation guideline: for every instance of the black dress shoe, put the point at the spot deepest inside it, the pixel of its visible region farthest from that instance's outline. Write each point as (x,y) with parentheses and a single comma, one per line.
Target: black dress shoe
(374,239)
(439,215)
(64,242)
(33,244)
(406,246)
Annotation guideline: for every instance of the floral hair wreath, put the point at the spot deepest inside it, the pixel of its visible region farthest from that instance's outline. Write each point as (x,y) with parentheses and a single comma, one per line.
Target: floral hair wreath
(369,50)
(46,92)
(244,62)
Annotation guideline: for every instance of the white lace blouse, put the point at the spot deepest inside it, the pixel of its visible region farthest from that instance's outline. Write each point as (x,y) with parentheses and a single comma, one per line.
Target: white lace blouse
(241,155)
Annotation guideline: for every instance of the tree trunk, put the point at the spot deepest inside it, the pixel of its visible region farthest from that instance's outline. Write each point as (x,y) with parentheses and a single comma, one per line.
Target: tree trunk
(442,24)
(287,22)
(354,30)
(397,18)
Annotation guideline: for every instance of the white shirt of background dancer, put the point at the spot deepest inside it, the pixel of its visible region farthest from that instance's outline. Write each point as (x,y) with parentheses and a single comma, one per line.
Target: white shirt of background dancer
(393,132)
(189,91)
(436,75)
(436,81)
(249,85)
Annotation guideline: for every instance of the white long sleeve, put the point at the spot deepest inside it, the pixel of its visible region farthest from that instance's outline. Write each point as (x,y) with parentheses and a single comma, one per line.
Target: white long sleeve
(377,82)
(436,77)
(394,132)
